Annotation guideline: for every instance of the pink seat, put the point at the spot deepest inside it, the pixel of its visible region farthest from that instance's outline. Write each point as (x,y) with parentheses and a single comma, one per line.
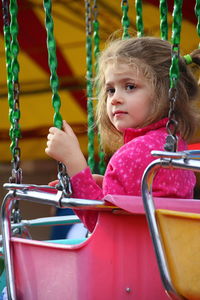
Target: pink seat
(116,262)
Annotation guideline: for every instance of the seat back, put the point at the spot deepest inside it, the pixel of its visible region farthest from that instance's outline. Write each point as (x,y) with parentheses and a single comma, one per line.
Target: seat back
(180,233)
(174,234)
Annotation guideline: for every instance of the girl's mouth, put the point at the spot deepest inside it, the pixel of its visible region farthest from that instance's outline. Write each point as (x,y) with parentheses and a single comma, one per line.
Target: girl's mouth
(119,112)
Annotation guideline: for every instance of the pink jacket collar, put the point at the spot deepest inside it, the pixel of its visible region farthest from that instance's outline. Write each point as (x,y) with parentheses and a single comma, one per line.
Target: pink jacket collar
(131,133)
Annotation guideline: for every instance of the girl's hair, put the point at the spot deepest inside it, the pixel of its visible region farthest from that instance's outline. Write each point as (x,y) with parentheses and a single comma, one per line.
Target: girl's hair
(152,57)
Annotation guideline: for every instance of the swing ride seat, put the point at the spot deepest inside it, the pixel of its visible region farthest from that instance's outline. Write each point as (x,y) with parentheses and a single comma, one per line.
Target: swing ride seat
(116,262)
(175,233)
(180,233)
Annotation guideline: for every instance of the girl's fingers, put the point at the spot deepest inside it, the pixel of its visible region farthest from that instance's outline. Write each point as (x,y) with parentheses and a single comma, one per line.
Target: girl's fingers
(46,150)
(48,144)
(53,130)
(67,129)
(49,136)
(53,183)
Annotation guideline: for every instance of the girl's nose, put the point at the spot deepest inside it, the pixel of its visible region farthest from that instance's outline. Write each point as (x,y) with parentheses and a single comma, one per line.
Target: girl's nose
(117,98)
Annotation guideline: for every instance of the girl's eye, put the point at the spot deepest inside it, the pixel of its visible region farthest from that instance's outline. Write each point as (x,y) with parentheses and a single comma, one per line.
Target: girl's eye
(110,91)
(130,87)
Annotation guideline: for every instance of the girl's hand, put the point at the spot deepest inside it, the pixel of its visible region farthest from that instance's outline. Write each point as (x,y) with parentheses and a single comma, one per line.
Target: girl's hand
(53,183)
(63,145)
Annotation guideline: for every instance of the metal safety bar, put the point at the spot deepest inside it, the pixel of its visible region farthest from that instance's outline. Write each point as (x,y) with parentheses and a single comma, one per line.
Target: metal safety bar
(184,160)
(40,194)
(47,221)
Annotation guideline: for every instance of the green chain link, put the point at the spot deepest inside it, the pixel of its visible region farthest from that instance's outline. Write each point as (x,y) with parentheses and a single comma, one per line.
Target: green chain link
(197,12)
(177,20)
(11,50)
(96,39)
(174,69)
(163,20)
(52,60)
(15,131)
(13,95)
(125,19)
(139,20)
(64,180)
(176,30)
(174,73)
(7,40)
(89,87)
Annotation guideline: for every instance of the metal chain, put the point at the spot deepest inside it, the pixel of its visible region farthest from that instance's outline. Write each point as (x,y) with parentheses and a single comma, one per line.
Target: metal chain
(10,28)
(15,131)
(163,20)
(89,87)
(125,19)
(177,20)
(7,40)
(96,39)
(172,125)
(64,181)
(52,60)
(197,12)
(139,19)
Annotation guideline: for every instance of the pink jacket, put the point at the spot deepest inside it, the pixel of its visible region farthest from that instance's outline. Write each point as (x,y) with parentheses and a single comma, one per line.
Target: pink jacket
(125,169)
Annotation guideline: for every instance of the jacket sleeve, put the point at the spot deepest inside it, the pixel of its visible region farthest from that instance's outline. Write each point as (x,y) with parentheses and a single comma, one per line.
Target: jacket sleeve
(85,187)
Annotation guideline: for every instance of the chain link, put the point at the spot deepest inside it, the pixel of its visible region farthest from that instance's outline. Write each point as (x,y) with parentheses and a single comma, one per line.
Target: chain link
(177,20)
(96,39)
(125,19)
(10,28)
(197,12)
(174,73)
(139,19)
(15,131)
(163,20)
(52,60)
(172,124)
(15,134)
(89,87)
(64,180)
(7,40)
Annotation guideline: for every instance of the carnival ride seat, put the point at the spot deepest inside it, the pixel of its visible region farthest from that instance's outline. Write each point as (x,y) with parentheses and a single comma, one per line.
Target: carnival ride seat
(117,261)
(180,233)
(175,233)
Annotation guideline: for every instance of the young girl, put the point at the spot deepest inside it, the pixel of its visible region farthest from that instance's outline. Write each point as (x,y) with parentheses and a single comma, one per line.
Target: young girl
(133,85)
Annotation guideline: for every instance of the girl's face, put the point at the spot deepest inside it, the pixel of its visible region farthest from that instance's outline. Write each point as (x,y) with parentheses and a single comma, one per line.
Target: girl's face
(129,96)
